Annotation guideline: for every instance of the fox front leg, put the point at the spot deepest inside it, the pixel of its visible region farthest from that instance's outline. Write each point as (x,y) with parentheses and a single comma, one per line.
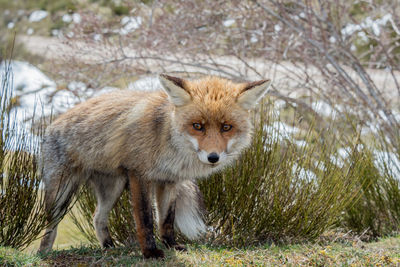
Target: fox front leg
(166,204)
(142,212)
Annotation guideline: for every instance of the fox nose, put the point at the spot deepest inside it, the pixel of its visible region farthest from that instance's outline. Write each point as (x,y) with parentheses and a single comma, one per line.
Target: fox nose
(213,157)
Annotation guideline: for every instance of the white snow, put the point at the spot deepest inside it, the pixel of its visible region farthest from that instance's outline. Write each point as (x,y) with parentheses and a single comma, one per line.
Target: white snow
(148,83)
(76,86)
(228,22)
(344,152)
(280,131)
(30,85)
(76,18)
(253,39)
(279,104)
(323,109)
(300,143)
(38,95)
(30,31)
(97,37)
(389,161)
(337,161)
(37,15)
(363,36)
(303,174)
(10,25)
(277,28)
(67,18)
(368,23)
(55,32)
(130,24)
(341,156)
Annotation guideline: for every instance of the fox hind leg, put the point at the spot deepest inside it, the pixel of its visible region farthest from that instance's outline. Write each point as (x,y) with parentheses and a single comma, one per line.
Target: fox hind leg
(58,193)
(107,191)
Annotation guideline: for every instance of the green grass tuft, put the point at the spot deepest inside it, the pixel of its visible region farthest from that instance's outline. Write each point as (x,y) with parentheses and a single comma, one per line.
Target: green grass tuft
(12,257)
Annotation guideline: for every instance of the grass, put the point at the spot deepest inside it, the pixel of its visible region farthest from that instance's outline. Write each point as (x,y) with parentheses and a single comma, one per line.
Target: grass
(68,235)
(385,252)
(13,257)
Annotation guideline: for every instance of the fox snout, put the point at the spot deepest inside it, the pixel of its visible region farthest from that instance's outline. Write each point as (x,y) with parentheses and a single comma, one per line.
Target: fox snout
(213,157)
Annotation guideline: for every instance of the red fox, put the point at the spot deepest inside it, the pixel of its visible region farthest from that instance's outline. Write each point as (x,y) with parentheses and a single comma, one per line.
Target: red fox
(155,143)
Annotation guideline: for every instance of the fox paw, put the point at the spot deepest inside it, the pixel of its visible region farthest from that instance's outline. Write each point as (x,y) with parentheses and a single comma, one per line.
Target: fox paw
(107,244)
(179,247)
(154,253)
(174,245)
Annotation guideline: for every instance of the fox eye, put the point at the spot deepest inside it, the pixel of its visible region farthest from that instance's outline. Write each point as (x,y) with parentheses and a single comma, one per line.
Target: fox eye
(226,127)
(198,126)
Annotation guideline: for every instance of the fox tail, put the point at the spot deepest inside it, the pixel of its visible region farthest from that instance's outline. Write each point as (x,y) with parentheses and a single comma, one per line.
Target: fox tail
(189,210)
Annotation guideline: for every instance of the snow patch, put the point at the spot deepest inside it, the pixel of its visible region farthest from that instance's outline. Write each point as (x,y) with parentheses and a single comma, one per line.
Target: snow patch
(76,18)
(280,131)
(279,104)
(303,174)
(387,162)
(67,18)
(253,39)
(130,24)
(149,83)
(228,22)
(300,143)
(323,108)
(341,156)
(38,94)
(97,37)
(37,15)
(277,28)
(368,23)
(55,32)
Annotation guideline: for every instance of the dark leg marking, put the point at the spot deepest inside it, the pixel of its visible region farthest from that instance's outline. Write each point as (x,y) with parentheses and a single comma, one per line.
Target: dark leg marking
(167,230)
(143,217)
(108,243)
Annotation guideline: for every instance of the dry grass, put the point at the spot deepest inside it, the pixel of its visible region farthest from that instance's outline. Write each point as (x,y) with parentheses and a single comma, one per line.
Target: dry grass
(385,252)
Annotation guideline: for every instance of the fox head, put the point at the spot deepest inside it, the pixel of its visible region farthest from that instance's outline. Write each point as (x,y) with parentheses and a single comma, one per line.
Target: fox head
(212,116)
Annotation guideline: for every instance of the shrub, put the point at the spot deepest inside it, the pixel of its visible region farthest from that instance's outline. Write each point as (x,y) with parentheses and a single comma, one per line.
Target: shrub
(376,212)
(22,216)
(277,191)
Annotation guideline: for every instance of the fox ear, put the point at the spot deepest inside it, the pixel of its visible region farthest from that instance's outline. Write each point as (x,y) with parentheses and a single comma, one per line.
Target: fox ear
(175,88)
(252,93)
